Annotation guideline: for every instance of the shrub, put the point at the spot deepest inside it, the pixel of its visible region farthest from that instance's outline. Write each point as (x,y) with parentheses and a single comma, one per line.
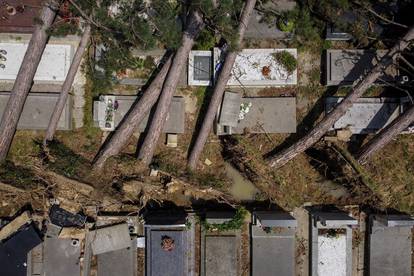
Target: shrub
(287,60)
(285,24)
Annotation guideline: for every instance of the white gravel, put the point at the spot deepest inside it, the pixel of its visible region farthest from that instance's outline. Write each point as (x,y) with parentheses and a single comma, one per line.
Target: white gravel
(332,255)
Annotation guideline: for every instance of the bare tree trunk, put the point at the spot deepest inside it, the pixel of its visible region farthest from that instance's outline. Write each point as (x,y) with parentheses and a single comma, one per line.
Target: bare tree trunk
(67,85)
(25,77)
(358,90)
(218,92)
(386,135)
(195,24)
(115,142)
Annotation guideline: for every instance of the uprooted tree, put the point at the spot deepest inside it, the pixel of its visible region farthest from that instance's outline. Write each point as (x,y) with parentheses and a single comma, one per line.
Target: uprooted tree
(111,23)
(227,9)
(195,25)
(279,159)
(220,84)
(386,135)
(140,109)
(200,13)
(25,76)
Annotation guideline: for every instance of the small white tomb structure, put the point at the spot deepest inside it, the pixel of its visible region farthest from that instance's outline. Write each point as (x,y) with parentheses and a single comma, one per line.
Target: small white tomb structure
(331,242)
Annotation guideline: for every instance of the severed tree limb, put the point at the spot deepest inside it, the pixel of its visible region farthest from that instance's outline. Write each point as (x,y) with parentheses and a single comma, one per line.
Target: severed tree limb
(194,26)
(383,18)
(386,135)
(218,92)
(281,158)
(25,77)
(67,85)
(119,138)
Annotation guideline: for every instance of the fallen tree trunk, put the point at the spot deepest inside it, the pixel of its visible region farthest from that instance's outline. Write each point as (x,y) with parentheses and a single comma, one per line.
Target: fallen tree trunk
(386,135)
(25,76)
(119,138)
(218,92)
(67,85)
(194,26)
(279,159)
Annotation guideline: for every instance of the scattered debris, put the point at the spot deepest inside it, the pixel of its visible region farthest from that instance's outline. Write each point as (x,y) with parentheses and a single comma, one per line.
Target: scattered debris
(15,225)
(154,172)
(72,233)
(53,230)
(63,218)
(109,239)
(208,162)
(344,135)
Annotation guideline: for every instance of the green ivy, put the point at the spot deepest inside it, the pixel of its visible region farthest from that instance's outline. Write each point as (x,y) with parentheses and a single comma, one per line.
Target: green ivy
(234,224)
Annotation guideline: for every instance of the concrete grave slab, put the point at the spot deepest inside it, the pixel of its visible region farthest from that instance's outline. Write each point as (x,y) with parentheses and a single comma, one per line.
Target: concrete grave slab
(108,118)
(220,255)
(229,114)
(61,257)
(38,109)
(162,262)
(273,252)
(390,247)
(265,115)
(273,243)
(367,115)
(258,29)
(109,238)
(54,64)
(343,67)
(120,262)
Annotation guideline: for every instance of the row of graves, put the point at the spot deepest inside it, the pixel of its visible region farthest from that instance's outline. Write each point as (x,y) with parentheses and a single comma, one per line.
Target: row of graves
(177,242)
(254,68)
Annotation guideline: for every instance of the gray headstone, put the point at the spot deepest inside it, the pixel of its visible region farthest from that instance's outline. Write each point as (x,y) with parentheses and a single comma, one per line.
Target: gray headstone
(202,68)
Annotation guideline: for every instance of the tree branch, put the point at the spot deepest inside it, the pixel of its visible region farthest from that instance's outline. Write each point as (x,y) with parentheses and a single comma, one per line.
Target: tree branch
(383,18)
(87,17)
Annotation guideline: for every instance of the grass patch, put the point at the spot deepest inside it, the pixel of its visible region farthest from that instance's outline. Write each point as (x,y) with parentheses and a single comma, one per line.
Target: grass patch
(287,60)
(17,176)
(235,223)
